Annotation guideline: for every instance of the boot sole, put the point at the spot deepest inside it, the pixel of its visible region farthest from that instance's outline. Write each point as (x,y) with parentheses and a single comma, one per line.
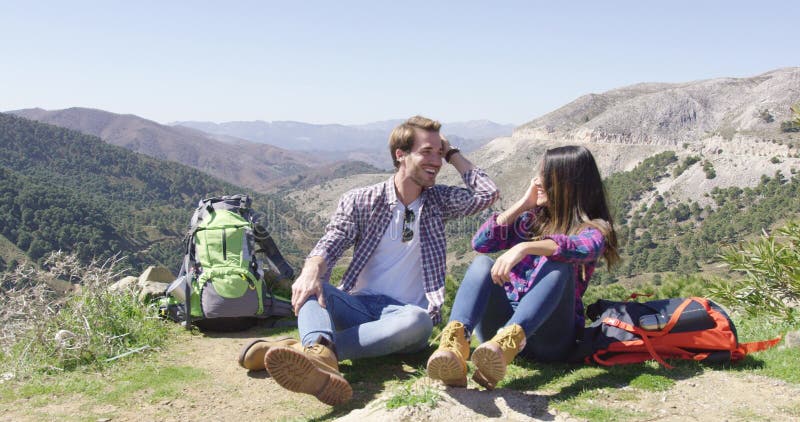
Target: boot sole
(445,366)
(246,348)
(490,367)
(295,372)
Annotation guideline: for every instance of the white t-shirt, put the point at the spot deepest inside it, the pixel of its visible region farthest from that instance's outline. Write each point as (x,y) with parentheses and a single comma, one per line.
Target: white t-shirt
(395,268)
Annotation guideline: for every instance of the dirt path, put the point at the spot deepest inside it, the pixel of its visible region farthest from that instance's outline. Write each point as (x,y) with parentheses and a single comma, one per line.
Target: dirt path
(233,394)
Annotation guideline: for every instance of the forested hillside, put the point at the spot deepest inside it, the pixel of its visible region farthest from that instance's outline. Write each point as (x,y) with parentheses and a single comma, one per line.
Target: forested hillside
(61,189)
(664,234)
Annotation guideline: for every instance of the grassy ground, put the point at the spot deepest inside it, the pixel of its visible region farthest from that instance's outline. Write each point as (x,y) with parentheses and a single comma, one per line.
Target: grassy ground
(154,384)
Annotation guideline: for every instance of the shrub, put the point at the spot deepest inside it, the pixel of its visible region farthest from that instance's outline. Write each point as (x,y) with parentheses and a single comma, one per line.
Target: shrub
(771,269)
(766,116)
(708,168)
(794,124)
(44,331)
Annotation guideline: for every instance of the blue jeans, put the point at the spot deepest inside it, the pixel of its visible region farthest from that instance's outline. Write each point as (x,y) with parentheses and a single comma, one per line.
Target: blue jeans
(364,326)
(546,313)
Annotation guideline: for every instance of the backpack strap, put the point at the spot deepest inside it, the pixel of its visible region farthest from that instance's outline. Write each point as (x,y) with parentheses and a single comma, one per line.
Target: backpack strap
(744,349)
(644,335)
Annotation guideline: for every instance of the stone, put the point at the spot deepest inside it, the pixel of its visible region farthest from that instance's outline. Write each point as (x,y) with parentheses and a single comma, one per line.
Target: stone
(125,283)
(156,273)
(152,290)
(792,339)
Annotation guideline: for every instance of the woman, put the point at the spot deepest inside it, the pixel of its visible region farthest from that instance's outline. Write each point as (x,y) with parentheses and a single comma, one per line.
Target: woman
(529,300)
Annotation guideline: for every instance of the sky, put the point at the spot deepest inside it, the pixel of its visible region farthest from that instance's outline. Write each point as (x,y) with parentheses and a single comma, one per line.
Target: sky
(354,62)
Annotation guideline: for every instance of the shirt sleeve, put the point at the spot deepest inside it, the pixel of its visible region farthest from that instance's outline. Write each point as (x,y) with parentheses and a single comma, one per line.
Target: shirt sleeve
(493,237)
(480,193)
(584,247)
(340,233)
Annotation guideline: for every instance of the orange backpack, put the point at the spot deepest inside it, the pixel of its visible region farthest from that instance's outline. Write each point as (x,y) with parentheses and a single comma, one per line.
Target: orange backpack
(631,332)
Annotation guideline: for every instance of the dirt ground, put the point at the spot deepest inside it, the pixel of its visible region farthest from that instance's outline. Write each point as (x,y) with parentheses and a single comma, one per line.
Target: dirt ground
(235,394)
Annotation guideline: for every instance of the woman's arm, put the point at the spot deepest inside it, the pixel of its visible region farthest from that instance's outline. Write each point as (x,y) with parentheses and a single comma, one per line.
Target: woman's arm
(526,203)
(586,246)
(501,270)
(507,229)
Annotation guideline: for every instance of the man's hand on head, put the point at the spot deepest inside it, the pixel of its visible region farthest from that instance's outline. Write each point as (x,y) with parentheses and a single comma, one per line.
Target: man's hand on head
(445,145)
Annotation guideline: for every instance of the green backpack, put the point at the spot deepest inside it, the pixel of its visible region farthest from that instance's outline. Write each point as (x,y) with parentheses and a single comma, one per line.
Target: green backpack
(222,279)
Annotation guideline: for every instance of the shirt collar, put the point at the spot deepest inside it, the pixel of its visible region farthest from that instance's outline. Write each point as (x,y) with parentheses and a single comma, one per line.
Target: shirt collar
(390,193)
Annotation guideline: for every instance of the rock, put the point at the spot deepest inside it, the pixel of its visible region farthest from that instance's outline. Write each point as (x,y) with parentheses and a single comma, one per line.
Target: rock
(158,274)
(152,290)
(126,283)
(792,339)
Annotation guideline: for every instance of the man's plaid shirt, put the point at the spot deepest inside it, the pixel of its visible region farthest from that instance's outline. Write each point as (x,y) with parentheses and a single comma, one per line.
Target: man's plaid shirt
(363,215)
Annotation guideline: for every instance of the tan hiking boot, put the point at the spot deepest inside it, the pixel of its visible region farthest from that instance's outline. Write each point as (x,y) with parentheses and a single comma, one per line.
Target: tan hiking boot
(492,357)
(312,370)
(252,355)
(449,362)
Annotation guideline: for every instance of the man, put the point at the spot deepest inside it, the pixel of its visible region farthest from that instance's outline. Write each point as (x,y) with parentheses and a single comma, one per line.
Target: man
(393,290)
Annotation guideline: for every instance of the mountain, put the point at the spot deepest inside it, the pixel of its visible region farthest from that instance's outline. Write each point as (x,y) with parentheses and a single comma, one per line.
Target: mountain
(472,129)
(690,167)
(65,190)
(670,114)
(248,164)
(733,123)
(355,142)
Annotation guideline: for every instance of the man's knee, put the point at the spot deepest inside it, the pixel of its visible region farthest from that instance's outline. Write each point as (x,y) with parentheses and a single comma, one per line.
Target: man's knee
(415,325)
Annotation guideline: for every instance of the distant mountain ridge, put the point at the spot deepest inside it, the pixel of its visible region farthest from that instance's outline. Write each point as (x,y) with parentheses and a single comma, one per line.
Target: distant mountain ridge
(366,142)
(237,161)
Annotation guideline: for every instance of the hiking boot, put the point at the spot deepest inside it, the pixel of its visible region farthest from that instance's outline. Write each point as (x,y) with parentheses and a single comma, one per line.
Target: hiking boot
(252,355)
(449,362)
(492,357)
(311,370)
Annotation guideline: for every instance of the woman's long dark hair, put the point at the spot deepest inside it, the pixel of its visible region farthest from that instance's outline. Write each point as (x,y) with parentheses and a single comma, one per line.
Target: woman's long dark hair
(576,197)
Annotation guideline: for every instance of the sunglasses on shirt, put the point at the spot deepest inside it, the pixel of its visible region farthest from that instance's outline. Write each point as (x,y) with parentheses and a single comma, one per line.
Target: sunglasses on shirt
(408,222)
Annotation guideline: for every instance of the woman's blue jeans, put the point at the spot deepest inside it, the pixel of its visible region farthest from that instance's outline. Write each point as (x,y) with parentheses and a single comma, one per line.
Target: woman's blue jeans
(364,325)
(546,313)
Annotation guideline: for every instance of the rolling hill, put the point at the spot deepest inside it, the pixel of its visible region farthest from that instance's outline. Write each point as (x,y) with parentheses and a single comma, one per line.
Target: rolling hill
(243,163)
(64,190)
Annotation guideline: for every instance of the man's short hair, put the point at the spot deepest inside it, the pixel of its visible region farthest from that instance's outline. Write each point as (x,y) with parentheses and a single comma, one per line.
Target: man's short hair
(402,136)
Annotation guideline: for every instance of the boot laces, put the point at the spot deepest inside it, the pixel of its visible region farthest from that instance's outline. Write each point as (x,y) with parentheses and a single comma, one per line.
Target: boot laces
(449,337)
(507,340)
(314,348)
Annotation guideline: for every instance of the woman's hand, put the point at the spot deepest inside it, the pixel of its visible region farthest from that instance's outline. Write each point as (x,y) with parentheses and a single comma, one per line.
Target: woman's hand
(501,270)
(528,201)
(531,196)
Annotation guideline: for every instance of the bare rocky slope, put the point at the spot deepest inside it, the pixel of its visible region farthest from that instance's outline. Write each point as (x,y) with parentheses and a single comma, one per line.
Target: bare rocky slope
(733,123)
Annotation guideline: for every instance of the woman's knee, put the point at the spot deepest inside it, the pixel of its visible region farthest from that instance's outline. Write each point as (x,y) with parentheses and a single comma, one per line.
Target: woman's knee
(558,266)
(479,270)
(483,262)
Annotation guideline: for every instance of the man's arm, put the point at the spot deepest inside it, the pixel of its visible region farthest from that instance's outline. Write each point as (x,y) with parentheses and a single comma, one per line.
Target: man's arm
(309,283)
(480,193)
(457,159)
(339,235)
